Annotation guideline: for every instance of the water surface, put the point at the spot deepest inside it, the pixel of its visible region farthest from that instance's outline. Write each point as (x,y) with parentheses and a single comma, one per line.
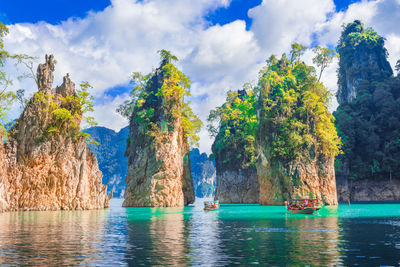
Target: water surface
(360,234)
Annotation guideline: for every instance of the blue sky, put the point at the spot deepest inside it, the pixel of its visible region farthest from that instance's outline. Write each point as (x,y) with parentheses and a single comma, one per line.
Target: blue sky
(221,44)
(55,11)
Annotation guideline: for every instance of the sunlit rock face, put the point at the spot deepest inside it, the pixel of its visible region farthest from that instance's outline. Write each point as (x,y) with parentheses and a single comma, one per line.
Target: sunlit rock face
(297,180)
(159,173)
(45,169)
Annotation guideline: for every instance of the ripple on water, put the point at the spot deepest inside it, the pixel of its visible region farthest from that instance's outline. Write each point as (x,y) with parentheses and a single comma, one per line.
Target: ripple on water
(366,234)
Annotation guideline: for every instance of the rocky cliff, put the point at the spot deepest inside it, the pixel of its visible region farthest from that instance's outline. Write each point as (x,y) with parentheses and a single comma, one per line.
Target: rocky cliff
(296,140)
(367,118)
(159,172)
(368,190)
(361,58)
(233,148)
(113,164)
(46,164)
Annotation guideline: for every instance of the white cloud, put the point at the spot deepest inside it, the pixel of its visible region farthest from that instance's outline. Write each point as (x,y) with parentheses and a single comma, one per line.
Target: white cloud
(277,24)
(105,47)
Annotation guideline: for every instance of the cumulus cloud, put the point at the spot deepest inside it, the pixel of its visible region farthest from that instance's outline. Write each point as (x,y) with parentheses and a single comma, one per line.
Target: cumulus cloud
(277,24)
(105,47)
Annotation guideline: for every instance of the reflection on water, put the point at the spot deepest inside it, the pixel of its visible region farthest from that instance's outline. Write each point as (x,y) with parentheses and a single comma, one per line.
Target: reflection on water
(205,245)
(65,237)
(360,234)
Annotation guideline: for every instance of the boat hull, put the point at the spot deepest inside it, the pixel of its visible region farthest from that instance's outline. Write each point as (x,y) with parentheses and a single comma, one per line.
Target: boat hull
(303,211)
(210,209)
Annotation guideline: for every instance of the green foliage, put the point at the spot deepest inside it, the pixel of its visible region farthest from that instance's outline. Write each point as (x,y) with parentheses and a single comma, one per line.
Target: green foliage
(370,125)
(234,126)
(362,55)
(397,67)
(67,112)
(370,129)
(294,115)
(166,57)
(157,100)
(85,102)
(323,57)
(7,97)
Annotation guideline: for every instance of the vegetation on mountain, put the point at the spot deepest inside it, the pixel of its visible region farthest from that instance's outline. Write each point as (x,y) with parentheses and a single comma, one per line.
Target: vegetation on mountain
(234,126)
(166,101)
(294,107)
(68,112)
(369,125)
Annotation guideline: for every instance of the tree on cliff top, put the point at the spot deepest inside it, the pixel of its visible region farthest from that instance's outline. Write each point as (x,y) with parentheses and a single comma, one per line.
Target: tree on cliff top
(158,100)
(7,97)
(369,125)
(234,127)
(294,111)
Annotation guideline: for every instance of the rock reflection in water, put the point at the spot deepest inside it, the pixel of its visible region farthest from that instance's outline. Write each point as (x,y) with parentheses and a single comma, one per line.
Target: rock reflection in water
(157,236)
(204,238)
(51,237)
(282,241)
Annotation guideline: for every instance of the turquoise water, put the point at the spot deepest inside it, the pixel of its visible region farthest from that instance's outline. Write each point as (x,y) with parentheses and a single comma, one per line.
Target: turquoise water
(363,234)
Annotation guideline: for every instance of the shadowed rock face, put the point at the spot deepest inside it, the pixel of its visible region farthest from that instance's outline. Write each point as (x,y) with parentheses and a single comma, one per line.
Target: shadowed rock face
(159,173)
(237,186)
(368,190)
(41,172)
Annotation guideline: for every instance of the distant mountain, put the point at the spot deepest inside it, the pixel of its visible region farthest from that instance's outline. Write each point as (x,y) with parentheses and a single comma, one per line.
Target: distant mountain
(203,173)
(110,154)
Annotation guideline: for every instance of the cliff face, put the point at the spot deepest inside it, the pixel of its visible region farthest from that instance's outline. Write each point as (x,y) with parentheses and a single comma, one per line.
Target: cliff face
(368,120)
(360,59)
(237,186)
(368,190)
(159,172)
(312,178)
(45,167)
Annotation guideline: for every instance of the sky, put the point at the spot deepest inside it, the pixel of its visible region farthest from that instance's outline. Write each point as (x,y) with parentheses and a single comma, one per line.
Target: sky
(221,44)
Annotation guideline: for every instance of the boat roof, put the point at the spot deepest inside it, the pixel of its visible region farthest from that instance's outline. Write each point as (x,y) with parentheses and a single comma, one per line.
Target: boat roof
(211,201)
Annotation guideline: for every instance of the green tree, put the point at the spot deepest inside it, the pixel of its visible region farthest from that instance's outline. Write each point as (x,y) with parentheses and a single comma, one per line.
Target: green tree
(234,126)
(323,58)
(158,99)
(7,96)
(294,114)
(369,125)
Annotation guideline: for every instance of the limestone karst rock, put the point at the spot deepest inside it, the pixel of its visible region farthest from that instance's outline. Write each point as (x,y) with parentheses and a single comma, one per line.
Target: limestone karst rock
(159,172)
(44,167)
(367,118)
(359,60)
(233,149)
(296,141)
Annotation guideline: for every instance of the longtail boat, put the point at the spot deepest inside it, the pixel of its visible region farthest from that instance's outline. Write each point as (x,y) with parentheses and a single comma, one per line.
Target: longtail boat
(211,205)
(304,206)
